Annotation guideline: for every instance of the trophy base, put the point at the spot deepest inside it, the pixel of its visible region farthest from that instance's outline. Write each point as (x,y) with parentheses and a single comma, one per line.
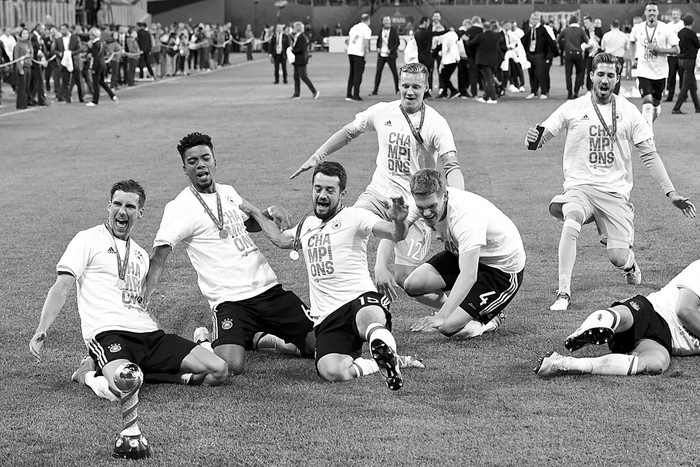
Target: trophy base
(131,447)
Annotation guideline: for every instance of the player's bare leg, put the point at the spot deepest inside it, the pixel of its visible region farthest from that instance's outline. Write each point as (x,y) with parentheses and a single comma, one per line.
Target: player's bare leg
(233,355)
(206,368)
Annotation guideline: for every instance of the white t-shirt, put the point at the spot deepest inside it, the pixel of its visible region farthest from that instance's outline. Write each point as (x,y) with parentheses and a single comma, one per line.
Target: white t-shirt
(450,51)
(229,269)
(590,157)
(356,39)
(474,222)
(91,258)
(400,156)
(336,259)
(665,300)
(652,65)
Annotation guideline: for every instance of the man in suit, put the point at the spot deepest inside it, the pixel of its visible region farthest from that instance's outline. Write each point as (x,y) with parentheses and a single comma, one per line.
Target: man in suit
(301,58)
(67,49)
(387,47)
(489,47)
(278,52)
(473,72)
(36,85)
(143,38)
(540,49)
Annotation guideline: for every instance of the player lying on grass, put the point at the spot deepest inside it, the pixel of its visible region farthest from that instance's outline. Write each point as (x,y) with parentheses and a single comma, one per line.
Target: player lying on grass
(482,264)
(109,269)
(345,306)
(641,332)
(598,172)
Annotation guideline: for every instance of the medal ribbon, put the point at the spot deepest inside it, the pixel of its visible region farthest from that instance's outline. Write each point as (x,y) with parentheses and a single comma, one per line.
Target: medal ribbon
(646,31)
(416,133)
(219,223)
(612,132)
(121,266)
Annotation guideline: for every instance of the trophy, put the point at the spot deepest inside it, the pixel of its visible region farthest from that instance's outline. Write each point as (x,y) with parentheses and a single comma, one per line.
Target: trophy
(130,443)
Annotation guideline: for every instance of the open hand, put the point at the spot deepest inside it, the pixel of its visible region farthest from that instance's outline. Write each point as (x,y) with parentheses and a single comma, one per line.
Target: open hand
(428,324)
(37,343)
(310,163)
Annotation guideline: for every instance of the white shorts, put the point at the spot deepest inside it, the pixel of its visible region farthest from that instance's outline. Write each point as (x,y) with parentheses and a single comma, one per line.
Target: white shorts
(612,213)
(413,250)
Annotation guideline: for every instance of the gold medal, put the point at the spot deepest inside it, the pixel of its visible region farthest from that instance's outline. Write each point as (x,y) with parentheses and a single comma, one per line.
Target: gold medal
(121,283)
(294,255)
(223,233)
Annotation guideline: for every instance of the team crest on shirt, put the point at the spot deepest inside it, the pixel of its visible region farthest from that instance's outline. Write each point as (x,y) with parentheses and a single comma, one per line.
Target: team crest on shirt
(227,324)
(229,198)
(618,117)
(114,348)
(137,253)
(336,224)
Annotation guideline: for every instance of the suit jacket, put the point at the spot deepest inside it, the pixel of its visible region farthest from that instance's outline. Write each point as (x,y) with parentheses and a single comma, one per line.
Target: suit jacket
(73,46)
(143,38)
(471,33)
(490,47)
(424,41)
(300,50)
(273,44)
(393,42)
(544,44)
(97,50)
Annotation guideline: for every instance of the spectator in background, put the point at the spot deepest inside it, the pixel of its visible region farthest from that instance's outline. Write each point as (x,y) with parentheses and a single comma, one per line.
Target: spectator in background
(157,58)
(249,38)
(424,38)
(114,58)
(571,41)
(591,50)
(490,47)
(358,48)
(463,65)
(435,47)
(300,49)
(514,56)
(144,40)
(449,59)
(23,68)
(338,29)
(67,50)
(615,42)
(387,52)
(132,58)
(689,45)
(676,25)
(98,49)
(540,49)
(37,96)
(278,52)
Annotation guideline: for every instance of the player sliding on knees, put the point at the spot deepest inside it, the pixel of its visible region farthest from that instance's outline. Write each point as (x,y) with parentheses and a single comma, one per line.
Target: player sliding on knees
(482,265)
(345,306)
(641,332)
(411,135)
(109,269)
(598,172)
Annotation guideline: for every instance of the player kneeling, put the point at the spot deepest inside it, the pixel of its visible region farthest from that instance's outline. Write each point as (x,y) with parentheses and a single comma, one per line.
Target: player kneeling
(482,265)
(641,332)
(345,306)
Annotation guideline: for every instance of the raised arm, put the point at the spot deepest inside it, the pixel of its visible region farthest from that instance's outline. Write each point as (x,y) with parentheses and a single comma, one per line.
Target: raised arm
(338,140)
(397,228)
(55,299)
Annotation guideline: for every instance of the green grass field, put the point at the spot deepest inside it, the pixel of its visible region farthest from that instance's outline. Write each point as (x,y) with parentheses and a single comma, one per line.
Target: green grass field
(477,402)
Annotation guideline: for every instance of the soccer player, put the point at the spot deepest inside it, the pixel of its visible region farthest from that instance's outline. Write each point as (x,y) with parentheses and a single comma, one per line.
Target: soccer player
(232,273)
(598,172)
(482,264)
(641,332)
(411,135)
(345,306)
(655,41)
(109,269)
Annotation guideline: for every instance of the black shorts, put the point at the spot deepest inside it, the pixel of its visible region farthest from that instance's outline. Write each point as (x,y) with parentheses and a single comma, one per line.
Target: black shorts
(648,324)
(490,294)
(655,87)
(153,352)
(275,311)
(338,332)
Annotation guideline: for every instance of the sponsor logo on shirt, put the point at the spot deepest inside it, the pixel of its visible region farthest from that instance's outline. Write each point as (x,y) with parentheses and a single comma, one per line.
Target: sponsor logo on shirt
(111,250)
(114,348)
(585,117)
(387,123)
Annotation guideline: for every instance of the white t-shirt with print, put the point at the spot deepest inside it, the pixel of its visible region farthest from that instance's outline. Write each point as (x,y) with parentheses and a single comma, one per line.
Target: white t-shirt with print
(652,65)
(356,39)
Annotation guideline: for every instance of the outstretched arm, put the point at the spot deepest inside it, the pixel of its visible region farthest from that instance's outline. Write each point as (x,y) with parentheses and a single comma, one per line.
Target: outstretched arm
(55,300)
(657,170)
(337,141)
(284,240)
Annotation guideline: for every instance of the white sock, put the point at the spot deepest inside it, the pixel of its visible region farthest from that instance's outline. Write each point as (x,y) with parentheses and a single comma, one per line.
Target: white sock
(99,386)
(472,329)
(378,331)
(270,341)
(206,345)
(657,111)
(567,253)
(607,318)
(364,366)
(614,364)
(648,114)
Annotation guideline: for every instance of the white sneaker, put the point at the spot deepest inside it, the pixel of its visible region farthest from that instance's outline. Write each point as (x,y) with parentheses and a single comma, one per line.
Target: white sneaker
(481,100)
(551,365)
(543,96)
(532,95)
(115,99)
(407,361)
(86,364)
(491,101)
(495,323)
(634,277)
(512,88)
(201,334)
(521,89)
(90,104)
(317,95)
(561,303)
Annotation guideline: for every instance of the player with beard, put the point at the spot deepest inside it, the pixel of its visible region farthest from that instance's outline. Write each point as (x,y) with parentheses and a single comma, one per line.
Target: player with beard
(655,41)
(598,172)
(345,306)
(232,273)
(411,136)
(109,269)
